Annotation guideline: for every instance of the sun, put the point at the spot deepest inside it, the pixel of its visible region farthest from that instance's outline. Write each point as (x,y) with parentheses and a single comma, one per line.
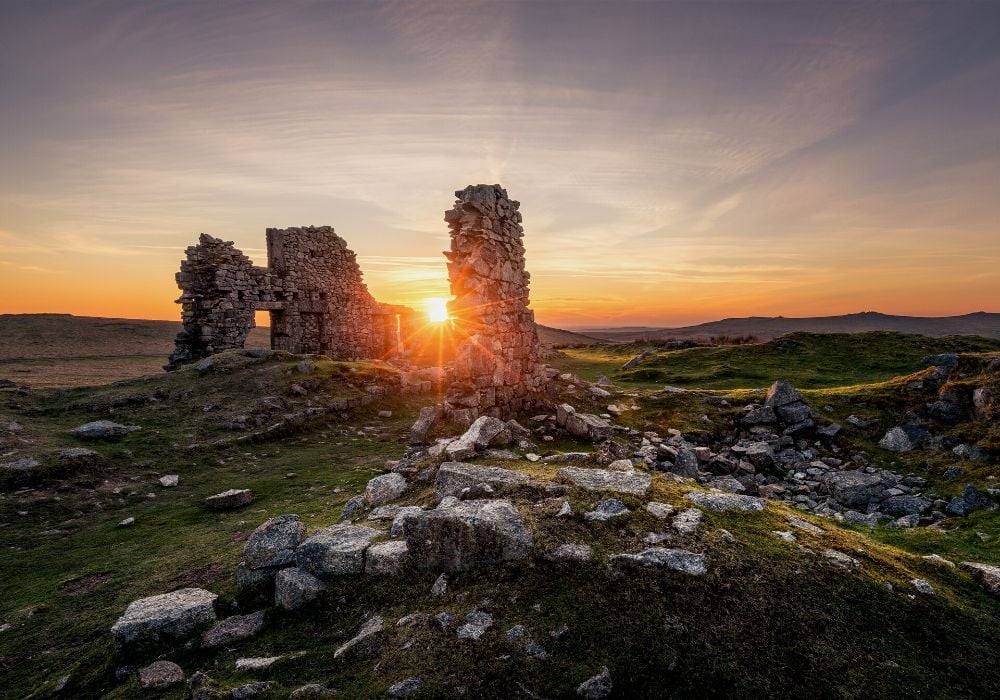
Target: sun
(437,309)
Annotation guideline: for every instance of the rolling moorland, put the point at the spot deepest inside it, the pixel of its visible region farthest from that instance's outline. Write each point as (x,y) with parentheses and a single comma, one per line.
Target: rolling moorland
(808,586)
(767,328)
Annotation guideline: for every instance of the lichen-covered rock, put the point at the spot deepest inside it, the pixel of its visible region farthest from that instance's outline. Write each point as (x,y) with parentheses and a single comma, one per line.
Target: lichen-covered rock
(672,559)
(596,688)
(853,489)
(726,501)
(453,477)
(587,426)
(897,440)
(467,534)
(475,625)
(386,558)
(384,488)
(904,505)
(273,542)
(606,510)
(335,551)
(421,428)
(160,674)
(635,483)
(372,627)
(103,430)
(169,617)
(781,393)
(295,588)
(571,552)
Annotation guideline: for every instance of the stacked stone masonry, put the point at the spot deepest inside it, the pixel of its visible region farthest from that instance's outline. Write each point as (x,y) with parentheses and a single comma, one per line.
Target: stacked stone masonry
(313,289)
(497,370)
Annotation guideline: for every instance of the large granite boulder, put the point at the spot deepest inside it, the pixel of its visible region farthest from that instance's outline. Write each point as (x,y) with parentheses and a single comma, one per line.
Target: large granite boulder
(467,534)
(634,482)
(165,618)
(335,551)
(453,477)
(722,502)
(295,588)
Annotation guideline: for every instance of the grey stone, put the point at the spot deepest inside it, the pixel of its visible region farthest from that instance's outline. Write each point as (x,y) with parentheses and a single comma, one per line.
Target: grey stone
(273,542)
(104,430)
(672,559)
(467,534)
(635,483)
(840,559)
(475,625)
(659,510)
(78,457)
(726,501)
(160,674)
(606,510)
(571,552)
(169,481)
(853,489)
(781,393)
(794,412)
(406,688)
(421,428)
(312,691)
(229,500)
(762,415)
(233,629)
(688,521)
(897,440)
(904,505)
(384,488)
(256,664)
(335,551)
(484,432)
(922,586)
(588,427)
(597,687)
(369,629)
(986,575)
(352,506)
(295,588)
(164,618)
(453,477)
(386,558)
(251,690)
(440,586)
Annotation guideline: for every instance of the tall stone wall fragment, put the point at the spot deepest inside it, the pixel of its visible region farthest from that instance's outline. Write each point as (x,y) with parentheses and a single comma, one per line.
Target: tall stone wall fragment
(497,370)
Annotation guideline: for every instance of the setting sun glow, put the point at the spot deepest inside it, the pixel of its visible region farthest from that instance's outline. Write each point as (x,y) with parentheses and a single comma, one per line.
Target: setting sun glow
(437,309)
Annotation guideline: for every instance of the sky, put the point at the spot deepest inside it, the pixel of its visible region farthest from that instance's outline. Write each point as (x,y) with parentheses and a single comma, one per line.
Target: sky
(675,162)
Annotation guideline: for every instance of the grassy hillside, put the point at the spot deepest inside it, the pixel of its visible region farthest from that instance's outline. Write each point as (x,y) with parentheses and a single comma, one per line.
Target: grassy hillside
(770,618)
(766,328)
(808,360)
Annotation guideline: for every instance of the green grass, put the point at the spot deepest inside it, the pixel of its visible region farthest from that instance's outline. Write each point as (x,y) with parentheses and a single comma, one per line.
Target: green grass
(769,619)
(808,360)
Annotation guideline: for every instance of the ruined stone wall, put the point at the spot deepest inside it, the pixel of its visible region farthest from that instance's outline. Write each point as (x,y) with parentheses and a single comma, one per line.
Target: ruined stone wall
(497,370)
(313,288)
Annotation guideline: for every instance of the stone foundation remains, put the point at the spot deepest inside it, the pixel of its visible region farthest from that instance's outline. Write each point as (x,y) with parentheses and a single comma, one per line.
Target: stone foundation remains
(496,371)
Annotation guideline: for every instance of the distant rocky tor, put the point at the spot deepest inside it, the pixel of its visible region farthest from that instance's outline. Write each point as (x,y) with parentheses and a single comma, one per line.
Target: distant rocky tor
(447,506)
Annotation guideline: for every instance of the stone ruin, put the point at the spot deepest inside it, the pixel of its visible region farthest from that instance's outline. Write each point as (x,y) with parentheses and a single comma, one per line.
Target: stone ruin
(319,304)
(497,370)
(312,287)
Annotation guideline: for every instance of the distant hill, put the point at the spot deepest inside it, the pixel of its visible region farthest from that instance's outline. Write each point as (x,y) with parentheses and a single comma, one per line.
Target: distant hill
(768,327)
(33,336)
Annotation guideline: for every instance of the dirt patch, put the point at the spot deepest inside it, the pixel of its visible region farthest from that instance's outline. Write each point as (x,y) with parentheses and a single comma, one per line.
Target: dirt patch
(85,584)
(200,576)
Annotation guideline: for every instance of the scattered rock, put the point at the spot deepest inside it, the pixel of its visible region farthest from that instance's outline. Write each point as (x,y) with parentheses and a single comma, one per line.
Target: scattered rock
(672,559)
(256,664)
(295,588)
(840,559)
(229,500)
(804,525)
(606,510)
(127,522)
(688,521)
(169,481)
(725,501)
(160,674)
(454,477)
(406,688)
(635,483)
(475,625)
(273,542)
(781,393)
(423,425)
(571,552)
(386,558)
(78,457)
(922,586)
(369,629)
(104,430)
(659,510)
(233,629)
(440,586)
(163,618)
(853,489)
(596,688)
(985,575)
(384,488)
(312,691)
(466,534)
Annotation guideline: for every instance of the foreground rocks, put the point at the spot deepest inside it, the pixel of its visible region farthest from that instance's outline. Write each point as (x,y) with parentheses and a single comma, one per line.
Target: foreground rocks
(229,500)
(468,533)
(161,619)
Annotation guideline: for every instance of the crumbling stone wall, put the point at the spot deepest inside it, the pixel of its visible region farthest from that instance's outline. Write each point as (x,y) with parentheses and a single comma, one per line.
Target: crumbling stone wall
(313,288)
(497,371)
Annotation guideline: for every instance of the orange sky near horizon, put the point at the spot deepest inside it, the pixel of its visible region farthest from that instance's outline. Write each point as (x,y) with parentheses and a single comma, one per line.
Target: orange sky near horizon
(675,162)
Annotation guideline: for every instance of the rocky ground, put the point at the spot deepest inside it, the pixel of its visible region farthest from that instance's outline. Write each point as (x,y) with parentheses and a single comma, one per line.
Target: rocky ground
(270,526)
